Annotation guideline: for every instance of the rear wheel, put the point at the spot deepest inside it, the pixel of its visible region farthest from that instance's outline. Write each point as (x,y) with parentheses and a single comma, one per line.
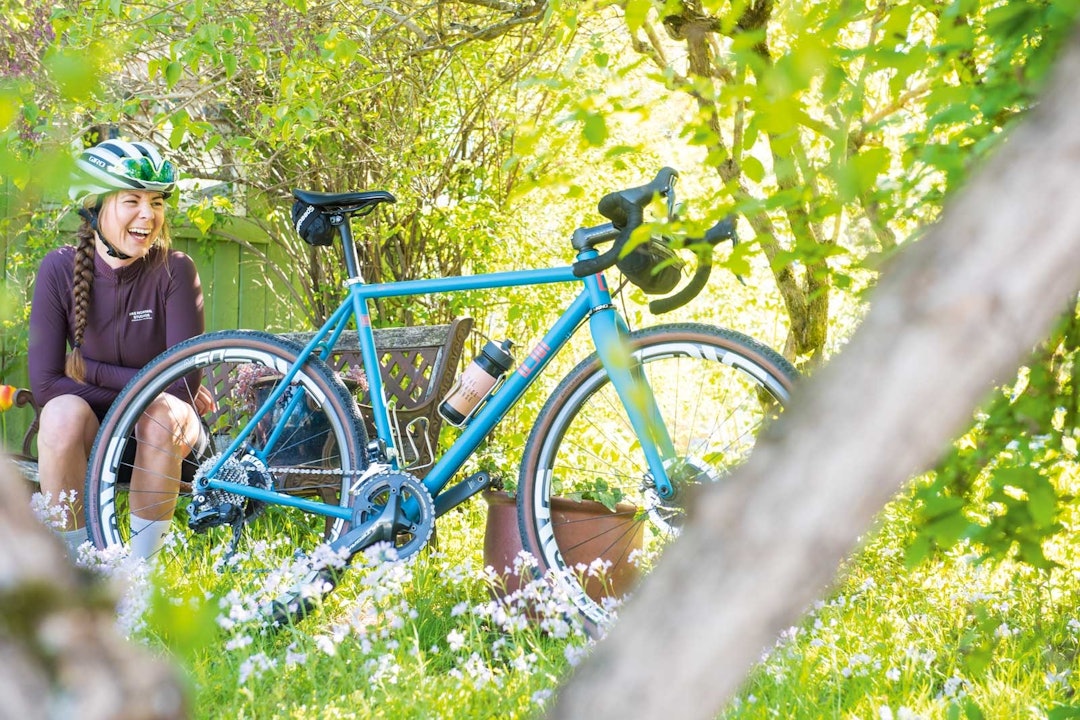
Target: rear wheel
(587,506)
(319,451)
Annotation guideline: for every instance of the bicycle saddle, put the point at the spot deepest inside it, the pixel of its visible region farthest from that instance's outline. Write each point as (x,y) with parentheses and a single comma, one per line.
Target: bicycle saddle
(351,200)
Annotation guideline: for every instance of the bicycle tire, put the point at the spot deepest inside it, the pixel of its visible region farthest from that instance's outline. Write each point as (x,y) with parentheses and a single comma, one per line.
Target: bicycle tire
(331,426)
(715,387)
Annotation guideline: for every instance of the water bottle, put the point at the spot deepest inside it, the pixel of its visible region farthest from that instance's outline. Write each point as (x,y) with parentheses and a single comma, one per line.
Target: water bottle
(477,382)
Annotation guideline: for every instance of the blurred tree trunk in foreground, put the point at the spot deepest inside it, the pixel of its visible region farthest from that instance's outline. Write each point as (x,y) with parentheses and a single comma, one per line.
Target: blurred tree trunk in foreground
(958,311)
(61,655)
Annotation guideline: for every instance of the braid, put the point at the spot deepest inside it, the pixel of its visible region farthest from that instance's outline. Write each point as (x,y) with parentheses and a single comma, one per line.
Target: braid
(75,367)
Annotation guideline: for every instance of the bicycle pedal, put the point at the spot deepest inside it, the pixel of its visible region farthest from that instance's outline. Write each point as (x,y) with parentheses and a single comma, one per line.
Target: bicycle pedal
(294,606)
(461,492)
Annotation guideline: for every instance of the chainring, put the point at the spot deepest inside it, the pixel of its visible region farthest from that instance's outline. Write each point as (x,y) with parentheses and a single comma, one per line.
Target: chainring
(371,496)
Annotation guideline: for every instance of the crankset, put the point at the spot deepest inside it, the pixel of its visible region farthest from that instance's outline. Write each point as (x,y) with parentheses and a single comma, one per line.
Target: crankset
(388,506)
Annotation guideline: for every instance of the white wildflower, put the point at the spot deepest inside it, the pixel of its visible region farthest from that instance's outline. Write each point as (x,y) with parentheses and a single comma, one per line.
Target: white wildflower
(455,640)
(255,666)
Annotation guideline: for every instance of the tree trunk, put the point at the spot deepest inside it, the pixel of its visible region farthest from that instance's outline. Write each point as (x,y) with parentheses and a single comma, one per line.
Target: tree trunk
(60,652)
(957,312)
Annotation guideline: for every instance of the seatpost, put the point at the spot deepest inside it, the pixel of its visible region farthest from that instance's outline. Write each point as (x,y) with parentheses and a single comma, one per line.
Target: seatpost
(352,261)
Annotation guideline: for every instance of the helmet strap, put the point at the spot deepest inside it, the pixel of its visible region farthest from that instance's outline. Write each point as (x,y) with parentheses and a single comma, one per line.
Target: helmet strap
(91,216)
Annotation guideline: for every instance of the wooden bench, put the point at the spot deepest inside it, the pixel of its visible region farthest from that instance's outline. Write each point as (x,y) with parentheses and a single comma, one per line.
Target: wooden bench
(26,460)
(418,366)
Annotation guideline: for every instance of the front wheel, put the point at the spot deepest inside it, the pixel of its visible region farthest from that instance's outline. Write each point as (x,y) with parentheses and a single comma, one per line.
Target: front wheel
(315,449)
(588,509)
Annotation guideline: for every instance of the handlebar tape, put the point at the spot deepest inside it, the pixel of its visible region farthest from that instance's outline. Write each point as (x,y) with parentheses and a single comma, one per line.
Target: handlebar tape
(723,230)
(625,209)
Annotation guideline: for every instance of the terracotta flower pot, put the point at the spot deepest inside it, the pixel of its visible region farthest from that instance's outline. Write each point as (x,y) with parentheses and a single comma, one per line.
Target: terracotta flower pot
(584,530)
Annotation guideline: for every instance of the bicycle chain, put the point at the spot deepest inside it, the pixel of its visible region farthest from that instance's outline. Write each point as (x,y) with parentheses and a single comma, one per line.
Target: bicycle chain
(295,470)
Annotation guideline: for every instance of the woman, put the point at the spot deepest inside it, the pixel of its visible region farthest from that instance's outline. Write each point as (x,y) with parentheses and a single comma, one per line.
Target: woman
(117,299)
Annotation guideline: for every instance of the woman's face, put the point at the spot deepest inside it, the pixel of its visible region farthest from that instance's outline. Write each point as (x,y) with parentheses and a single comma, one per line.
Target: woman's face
(131,220)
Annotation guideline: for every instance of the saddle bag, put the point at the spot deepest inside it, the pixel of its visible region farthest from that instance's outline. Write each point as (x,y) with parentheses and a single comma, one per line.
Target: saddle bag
(653,267)
(312,224)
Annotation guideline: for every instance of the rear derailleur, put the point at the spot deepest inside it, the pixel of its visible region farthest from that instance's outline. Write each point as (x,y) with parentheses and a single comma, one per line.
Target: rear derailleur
(215,508)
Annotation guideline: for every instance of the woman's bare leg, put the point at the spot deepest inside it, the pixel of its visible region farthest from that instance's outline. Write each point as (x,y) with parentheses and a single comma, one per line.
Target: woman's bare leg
(65,438)
(166,434)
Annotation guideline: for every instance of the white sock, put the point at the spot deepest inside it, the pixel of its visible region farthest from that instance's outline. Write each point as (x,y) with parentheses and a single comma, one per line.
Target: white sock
(147,536)
(73,539)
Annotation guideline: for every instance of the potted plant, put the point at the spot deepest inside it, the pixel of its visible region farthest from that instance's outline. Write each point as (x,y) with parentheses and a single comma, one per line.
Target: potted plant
(589,523)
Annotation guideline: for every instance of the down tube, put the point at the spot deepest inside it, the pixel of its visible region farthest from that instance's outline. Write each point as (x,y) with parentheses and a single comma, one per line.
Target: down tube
(510,392)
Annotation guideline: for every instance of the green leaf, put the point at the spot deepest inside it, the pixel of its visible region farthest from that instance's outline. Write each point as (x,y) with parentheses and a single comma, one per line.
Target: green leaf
(10,101)
(595,128)
(75,73)
(228,60)
(752,168)
(635,13)
(202,217)
(172,73)
(1042,499)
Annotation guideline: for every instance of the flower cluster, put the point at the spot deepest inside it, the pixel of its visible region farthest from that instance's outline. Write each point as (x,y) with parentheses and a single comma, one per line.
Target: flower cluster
(247,376)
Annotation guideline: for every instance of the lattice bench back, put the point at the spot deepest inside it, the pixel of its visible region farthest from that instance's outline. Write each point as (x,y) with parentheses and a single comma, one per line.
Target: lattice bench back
(418,367)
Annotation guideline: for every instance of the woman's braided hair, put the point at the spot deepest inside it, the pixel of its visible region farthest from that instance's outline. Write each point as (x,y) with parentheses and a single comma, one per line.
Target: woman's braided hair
(75,366)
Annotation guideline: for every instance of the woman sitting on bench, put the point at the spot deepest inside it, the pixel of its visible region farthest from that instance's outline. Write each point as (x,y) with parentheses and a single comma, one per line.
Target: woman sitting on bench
(119,298)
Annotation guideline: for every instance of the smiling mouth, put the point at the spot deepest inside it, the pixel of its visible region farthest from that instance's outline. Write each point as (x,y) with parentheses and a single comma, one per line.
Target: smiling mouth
(139,233)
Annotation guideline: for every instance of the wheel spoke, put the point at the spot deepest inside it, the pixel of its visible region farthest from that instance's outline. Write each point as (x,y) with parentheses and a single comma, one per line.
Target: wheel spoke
(324,434)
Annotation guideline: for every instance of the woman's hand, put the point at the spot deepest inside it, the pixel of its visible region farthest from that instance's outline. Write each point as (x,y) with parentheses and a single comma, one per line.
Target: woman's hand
(204,401)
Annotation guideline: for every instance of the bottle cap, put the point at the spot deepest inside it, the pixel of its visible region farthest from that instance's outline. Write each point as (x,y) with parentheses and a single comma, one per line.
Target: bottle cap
(499,354)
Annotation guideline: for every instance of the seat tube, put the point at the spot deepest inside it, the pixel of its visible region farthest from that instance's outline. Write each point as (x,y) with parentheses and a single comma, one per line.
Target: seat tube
(366,339)
(609,334)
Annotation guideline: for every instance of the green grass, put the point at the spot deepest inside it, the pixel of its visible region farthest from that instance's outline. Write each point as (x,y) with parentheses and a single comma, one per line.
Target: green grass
(422,638)
(951,638)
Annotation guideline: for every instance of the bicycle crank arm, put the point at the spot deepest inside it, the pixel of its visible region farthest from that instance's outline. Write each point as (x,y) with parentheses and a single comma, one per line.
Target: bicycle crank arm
(296,604)
(451,498)
(379,529)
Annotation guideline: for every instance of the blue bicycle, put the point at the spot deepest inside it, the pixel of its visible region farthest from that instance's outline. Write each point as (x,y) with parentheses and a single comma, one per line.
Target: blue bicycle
(638,423)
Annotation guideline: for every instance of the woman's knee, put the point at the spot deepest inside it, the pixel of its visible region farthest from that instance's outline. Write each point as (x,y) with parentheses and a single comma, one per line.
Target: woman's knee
(167,421)
(67,423)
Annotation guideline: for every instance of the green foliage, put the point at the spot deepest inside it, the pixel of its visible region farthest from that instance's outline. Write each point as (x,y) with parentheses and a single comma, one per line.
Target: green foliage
(1005,484)
(837,129)
(253,100)
(949,638)
(422,638)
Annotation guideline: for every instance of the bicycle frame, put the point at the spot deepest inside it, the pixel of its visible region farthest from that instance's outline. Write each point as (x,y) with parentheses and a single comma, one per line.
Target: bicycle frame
(593,303)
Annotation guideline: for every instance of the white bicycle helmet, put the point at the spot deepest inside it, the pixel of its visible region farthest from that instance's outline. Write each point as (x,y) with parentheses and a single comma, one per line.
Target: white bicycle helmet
(119,165)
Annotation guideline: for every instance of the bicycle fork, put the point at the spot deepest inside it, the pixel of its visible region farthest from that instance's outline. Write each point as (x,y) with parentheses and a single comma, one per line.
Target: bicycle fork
(610,335)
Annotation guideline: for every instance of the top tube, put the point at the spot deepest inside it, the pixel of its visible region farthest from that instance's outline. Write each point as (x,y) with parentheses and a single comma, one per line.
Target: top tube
(485,281)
